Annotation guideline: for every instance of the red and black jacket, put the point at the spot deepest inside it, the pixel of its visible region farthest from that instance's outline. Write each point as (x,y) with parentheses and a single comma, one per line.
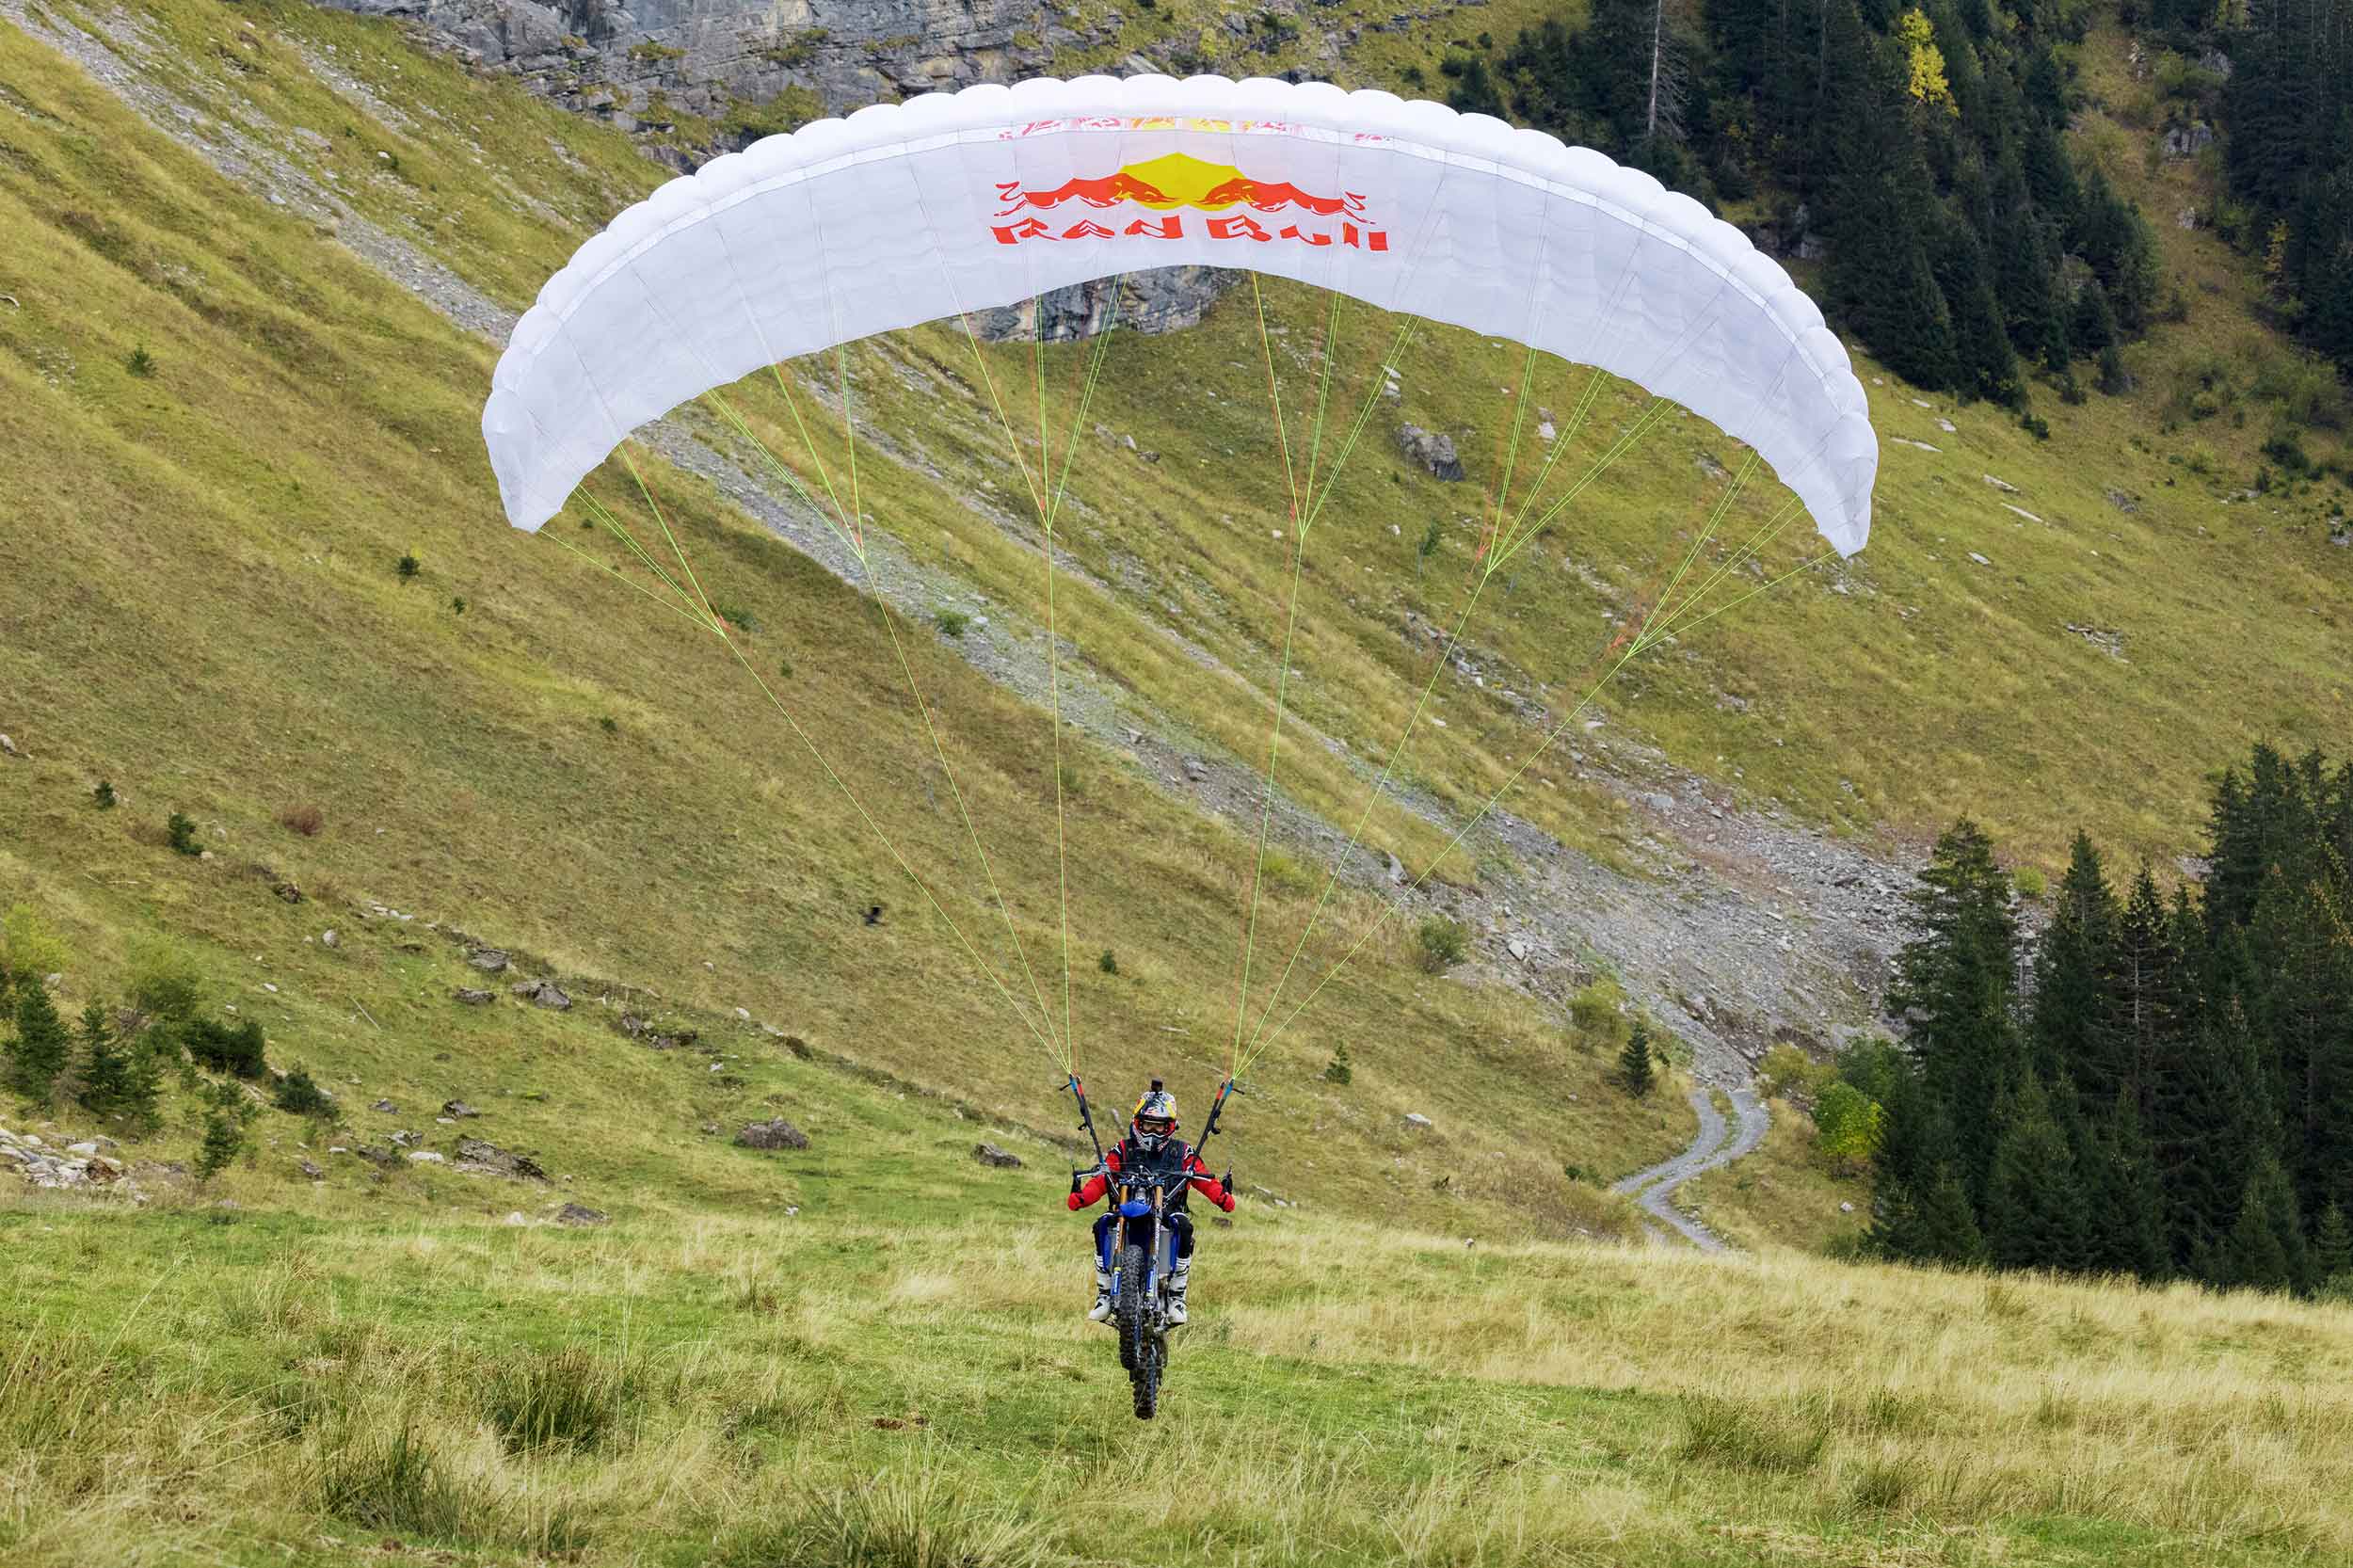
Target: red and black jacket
(1173,1156)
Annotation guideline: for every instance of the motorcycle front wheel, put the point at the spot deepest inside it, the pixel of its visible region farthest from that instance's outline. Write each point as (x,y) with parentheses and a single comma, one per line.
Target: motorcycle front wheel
(1139,1346)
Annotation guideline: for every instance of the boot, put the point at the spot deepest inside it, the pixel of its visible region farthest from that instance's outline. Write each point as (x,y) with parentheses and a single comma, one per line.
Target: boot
(1178,1278)
(1102,1307)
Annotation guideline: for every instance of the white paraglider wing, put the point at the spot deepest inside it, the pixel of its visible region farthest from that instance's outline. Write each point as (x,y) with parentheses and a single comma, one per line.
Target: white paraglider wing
(903,214)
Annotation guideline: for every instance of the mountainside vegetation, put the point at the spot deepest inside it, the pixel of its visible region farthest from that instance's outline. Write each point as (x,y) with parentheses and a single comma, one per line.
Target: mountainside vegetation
(2174,1097)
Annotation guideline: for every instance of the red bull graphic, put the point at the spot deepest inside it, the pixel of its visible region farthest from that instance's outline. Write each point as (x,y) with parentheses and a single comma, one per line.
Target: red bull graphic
(1172,182)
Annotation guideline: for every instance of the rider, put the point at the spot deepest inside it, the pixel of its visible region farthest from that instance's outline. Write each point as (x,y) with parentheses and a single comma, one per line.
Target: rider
(1151,1144)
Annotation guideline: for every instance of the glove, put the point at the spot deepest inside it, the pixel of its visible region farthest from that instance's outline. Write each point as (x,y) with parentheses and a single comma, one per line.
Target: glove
(1227,1204)
(1074,1203)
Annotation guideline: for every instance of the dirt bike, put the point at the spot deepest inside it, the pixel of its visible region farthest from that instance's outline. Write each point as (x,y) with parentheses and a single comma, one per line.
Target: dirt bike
(1141,1252)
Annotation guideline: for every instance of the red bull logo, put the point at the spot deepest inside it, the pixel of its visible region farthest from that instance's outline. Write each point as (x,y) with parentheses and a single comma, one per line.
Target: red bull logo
(1170,185)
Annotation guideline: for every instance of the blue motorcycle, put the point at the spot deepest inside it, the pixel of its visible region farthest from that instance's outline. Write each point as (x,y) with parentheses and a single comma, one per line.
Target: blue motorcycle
(1139,1253)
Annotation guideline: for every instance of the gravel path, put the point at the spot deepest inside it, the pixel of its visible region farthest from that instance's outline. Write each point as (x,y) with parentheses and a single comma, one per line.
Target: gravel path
(1654,1189)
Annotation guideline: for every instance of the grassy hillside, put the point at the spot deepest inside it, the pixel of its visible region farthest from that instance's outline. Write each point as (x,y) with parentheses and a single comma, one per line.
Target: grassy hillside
(221,429)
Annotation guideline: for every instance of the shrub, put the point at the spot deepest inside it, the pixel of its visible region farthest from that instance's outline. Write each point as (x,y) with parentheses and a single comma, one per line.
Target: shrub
(951,622)
(2035,426)
(609,725)
(1444,943)
(2029,882)
(2287,450)
(140,363)
(1337,1070)
(179,833)
(224,1050)
(1430,538)
(28,945)
(457,604)
(1847,1128)
(1786,1071)
(408,567)
(164,981)
(297,1095)
(1598,1013)
(304,819)
(1109,963)
(105,795)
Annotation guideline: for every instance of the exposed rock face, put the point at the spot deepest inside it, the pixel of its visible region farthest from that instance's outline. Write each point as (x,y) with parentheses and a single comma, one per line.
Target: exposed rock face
(989,1154)
(753,69)
(484,1158)
(641,62)
(1162,301)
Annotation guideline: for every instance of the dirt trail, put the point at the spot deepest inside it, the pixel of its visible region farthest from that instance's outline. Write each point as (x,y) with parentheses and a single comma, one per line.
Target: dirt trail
(1654,1189)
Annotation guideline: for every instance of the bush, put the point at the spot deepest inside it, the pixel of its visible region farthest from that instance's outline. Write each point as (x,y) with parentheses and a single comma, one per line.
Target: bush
(140,363)
(1847,1128)
(951,622)
(105,795)
(2030,882)
(304,819)
(1598,1013)
(1444,943)
(1786,1071)
(408,567)
(297,1095)
(28,945)
(384,1477)
(1337,1070)
(164,981)
(2035,426)
(1109,963)
(179,833)
(610,725)
(457,604)
(215,1045)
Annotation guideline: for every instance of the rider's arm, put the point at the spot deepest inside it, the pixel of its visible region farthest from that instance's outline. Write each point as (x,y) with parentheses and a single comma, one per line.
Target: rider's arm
(1208,1185)
(1096,1186)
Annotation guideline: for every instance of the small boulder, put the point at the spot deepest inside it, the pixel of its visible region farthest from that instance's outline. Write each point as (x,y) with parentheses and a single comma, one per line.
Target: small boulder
(8,748)
(386,1107)
(310,1170)
(458,1107)
(428,1157)
(1415,1118)
(580,1214)
(488,960)
(1431,450)
(989,1154)
(1197,770)
(543,993)
(328,939)
(775,1134)
(481,1159)
(471,998)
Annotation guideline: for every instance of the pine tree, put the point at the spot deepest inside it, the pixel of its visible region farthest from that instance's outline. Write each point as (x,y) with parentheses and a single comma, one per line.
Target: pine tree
(143,1083)
(2213,1124)
(1956,983)
(2332,1251)
(39,1052)
(2034,1209)
(2125,1210)
(2266,1249)
(2075,973)
(224,1135)
(106,1073)
(1635,1068)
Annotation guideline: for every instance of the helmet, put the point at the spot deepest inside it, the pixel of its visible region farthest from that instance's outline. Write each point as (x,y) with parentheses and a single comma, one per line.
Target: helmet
(1155,1120)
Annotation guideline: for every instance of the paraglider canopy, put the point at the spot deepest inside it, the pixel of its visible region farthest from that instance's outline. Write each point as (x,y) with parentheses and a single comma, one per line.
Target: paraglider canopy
(949,203)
